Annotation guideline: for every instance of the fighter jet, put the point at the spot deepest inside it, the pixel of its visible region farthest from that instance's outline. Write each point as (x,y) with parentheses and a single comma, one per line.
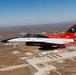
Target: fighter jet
(47,40)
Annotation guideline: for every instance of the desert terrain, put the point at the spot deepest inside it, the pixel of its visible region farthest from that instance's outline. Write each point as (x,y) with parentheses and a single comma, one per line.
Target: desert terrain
(12,59)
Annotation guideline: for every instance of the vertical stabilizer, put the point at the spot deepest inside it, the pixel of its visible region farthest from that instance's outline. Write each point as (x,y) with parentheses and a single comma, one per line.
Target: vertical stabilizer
(72,29)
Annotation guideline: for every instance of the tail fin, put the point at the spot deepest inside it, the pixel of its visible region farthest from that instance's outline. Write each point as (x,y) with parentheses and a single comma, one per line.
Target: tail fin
(72,29)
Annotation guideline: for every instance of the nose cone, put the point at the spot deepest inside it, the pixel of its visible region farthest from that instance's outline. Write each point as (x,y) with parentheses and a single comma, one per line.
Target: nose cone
(8,40)
(4,41)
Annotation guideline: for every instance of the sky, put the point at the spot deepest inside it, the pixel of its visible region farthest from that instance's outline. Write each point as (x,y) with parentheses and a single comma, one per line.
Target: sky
(28,12)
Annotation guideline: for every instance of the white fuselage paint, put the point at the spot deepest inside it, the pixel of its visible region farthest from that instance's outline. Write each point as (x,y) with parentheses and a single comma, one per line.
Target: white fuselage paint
(46,40)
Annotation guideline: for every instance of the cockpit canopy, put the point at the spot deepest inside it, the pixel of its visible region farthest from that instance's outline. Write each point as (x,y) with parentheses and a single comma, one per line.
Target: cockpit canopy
(27,35)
